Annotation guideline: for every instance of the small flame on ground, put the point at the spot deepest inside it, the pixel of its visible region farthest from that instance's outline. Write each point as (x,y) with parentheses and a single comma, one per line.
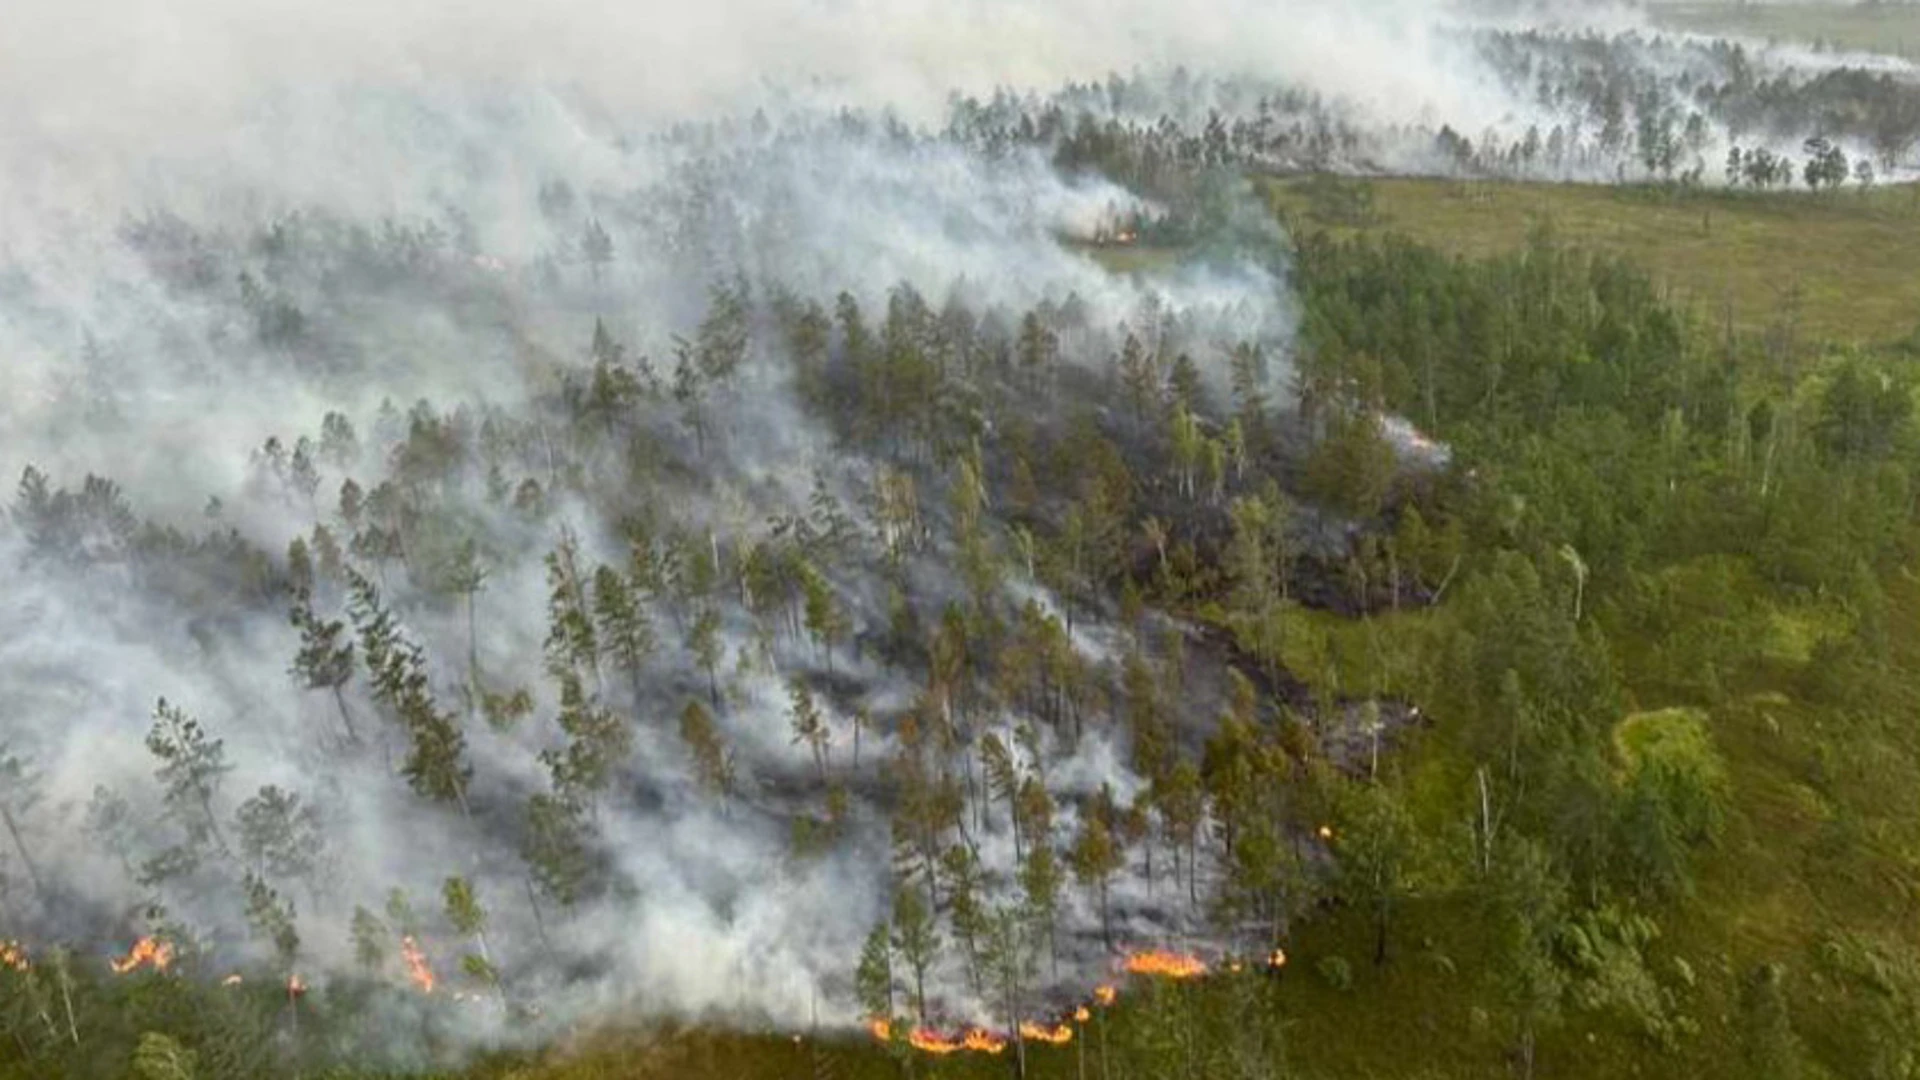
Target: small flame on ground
(416,960)
(982,1041)
(932,1042)
(1170,965)
(1081,1015)
(1057,1034)
(1326,832)
(1277,958)
(145,951)
(1105,995)
(296,986)
(232,980)
(929,1041)
(13,955)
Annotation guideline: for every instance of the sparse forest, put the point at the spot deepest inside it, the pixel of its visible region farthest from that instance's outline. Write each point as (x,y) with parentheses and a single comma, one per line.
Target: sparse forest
(817,595)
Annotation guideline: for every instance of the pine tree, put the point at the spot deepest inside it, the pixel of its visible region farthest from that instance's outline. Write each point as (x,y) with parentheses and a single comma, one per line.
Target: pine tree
(599,741)
(916,938)
(826,623)
(469,919)
(713,762)
(555,847)
(192,767)
(280,838)
(808,725)
(703,641)
(324,662)
(272,918)
(873,976)
(571,640)
(625,633)
(1095,859)
(466,577)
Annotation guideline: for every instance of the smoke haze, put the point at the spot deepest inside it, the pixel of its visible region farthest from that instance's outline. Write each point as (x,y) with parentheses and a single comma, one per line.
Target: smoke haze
(414,180)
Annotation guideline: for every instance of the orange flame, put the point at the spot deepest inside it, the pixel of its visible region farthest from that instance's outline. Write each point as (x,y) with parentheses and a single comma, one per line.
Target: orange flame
(1277,958)
(13,955)
(296,986)
(1058,1034)
(416,960)
(1081,1015)
(1104,995)
(1169,965)
(145,951)
(982,1041)
(929,1041)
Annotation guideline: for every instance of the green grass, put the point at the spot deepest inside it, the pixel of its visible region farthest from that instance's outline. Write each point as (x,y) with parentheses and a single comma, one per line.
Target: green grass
(1853,258)
(1892,28)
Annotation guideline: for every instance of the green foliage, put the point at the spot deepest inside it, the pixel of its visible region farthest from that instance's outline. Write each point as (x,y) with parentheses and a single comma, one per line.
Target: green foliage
(1675,793)
(159,1057)
(1335,972)
(192,766)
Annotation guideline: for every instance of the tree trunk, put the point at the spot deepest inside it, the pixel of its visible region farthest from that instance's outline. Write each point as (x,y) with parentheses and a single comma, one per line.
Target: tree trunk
(20,844)
(539,921)
(346,718)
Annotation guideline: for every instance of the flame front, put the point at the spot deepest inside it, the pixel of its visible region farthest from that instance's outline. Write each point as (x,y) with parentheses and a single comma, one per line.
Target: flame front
(929,1041)
(1170,965)
(146,951)
(1057,1034)
(982,1041)
(416,960)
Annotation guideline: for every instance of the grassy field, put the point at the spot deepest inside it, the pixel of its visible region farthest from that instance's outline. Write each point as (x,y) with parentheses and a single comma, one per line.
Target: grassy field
(1853,258)
(1892,28)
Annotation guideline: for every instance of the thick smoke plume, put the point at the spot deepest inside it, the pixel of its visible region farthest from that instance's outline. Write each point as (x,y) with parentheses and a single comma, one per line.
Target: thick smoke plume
(224,223)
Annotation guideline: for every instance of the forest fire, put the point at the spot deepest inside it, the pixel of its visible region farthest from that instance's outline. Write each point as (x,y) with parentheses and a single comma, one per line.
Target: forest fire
(147,951)
(1104,995)
(1082,1014)
(416,960)
(13,955)
(1277,958)
(1057,1035)
(929,1041)
(1168,965)
(982,1041)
